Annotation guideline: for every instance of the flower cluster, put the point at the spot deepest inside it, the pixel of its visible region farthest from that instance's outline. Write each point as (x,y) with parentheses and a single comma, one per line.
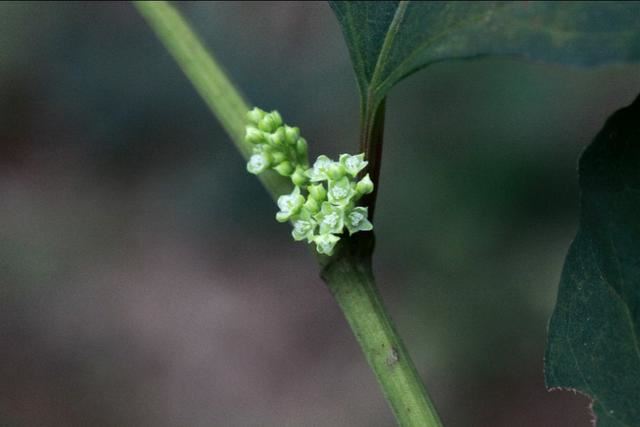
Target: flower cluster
(323,201)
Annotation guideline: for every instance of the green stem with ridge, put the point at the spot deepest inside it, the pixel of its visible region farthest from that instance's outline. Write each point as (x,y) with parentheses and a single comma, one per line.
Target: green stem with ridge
(348,273)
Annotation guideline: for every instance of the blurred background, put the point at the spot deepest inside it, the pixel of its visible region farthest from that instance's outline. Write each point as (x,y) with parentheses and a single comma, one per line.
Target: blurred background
(144,281)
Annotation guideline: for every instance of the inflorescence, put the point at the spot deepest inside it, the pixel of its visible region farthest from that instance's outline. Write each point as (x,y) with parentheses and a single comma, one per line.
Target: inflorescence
(323,201)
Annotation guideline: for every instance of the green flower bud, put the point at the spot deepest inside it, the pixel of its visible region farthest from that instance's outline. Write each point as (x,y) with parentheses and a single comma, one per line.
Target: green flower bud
(270,122)
(317,192)
(254,135)
(298,177)
(255,115)
(364,186)
(330,218)
(257,163)
(289,205)
(284,168)
(301,148)
(336,171)
(353,164)
(277,118)
(325,243)
(292,134)
(312,205)
(277,138)
(356,220)
(278,157)
(340,192)
(262,148)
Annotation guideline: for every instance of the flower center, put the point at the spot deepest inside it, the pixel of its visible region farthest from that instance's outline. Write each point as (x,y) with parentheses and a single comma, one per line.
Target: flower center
(257,162)
(355,218)
(339,192)
(352,162)
(302,226)
(331,219)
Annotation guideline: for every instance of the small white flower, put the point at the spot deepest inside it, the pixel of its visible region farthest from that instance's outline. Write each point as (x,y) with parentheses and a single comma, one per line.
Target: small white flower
(257,164)
(289,205)
(356,220)
(325,243)
(330,218)
(320,169)
(340,192)
(353,164)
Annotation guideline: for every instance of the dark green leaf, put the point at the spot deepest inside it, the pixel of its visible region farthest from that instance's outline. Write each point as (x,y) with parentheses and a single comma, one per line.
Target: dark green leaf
(594,334)
(389,40)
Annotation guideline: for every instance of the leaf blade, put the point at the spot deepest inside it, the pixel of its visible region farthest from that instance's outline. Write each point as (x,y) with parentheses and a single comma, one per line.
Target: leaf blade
(582,33)
(594,334)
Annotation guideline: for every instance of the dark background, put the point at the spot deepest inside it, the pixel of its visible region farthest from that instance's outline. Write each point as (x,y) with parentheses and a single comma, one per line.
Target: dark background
(145,282)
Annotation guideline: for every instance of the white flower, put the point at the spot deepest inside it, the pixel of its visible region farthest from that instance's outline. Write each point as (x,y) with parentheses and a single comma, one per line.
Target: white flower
(258,163)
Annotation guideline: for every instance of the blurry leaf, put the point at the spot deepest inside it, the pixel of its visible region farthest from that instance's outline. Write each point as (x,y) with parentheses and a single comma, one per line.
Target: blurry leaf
(594,334)
(390,40)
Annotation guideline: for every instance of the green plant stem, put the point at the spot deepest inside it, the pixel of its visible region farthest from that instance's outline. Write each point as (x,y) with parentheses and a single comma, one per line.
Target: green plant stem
(352,284)
(208,78)
(348,273)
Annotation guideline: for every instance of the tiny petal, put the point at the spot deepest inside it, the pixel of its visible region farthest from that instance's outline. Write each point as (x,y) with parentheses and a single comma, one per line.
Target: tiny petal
(283,216)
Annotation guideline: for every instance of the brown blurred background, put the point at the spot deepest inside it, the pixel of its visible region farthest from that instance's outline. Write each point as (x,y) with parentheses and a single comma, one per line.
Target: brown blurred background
(144,281)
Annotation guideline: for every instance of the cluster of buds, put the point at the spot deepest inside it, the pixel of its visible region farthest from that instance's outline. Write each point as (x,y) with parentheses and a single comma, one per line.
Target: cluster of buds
(276,146)
(324,199)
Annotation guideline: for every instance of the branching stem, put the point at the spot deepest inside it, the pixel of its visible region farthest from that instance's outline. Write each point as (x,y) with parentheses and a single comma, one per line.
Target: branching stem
(348,273)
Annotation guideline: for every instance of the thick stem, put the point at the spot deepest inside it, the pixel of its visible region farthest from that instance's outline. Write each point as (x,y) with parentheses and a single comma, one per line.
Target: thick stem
(352,284)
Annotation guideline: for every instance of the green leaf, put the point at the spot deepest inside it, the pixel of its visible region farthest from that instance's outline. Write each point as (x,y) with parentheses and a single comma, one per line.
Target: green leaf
(594,333)
(390,40)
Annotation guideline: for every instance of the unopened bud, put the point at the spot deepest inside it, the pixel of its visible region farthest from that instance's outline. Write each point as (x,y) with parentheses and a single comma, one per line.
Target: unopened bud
(284,169)
(253,135)
(336,171)
(365,185)
(299,178)
(318,192)
(255,115)
(312,205)
(292,134)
